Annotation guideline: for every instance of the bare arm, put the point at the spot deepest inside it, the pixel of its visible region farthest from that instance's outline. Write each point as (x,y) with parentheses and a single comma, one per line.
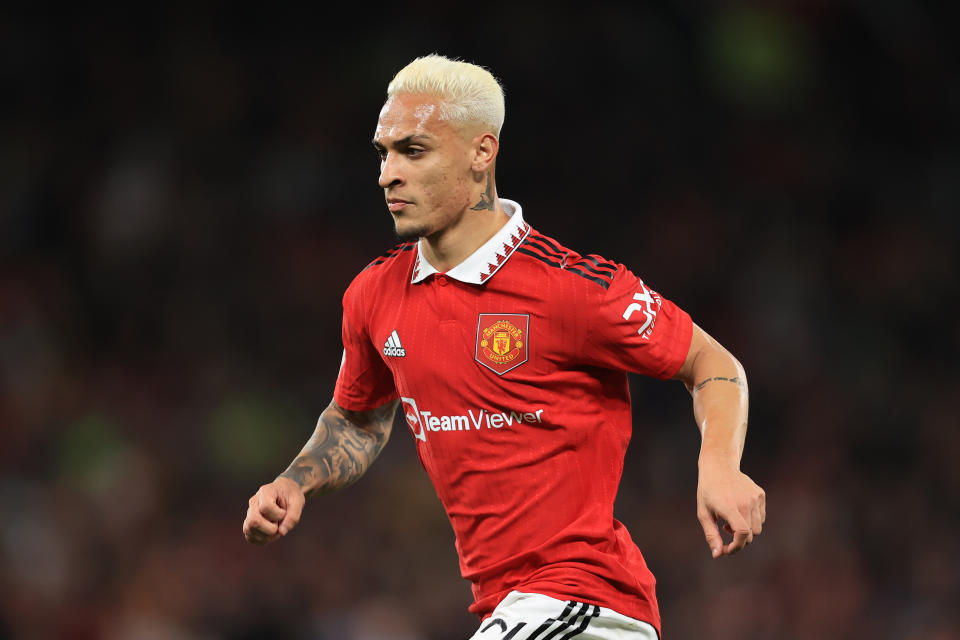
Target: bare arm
(341,449)
(718,384)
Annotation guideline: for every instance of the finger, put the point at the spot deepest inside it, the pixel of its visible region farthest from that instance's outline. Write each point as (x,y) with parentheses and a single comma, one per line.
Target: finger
(253,536)
(711,532)
(742,536)
(259,527)
(292,516)
(260,539)
(269,507)
(255,526)
(763,506)
(259,536)
(739,542)
(756,519)
(247,529)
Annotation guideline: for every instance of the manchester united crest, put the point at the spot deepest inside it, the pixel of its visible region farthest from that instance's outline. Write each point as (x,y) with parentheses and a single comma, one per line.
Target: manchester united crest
(502,341)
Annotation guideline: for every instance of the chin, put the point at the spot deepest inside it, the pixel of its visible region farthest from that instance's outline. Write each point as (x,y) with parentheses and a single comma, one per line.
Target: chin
(409,231)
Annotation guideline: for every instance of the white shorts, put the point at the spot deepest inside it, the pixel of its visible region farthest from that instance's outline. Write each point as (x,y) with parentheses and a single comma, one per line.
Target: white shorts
(531,616)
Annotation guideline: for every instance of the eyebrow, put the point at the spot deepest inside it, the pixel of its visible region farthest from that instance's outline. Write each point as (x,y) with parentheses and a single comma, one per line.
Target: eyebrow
(402,141)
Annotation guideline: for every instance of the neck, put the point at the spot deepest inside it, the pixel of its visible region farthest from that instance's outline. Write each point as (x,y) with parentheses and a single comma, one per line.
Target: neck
(447,248)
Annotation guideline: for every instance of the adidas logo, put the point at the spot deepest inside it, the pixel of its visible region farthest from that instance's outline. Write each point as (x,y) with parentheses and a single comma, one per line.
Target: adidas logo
(392,346)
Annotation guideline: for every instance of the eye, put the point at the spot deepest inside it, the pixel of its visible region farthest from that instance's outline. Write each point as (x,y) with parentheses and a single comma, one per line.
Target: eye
(415,151)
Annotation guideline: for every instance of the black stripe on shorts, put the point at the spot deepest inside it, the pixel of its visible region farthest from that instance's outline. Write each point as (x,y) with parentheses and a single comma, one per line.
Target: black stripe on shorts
(549,621)
(584,623)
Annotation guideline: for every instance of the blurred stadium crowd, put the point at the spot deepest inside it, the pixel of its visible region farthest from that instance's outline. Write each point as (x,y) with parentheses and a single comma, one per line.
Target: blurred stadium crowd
(186,194)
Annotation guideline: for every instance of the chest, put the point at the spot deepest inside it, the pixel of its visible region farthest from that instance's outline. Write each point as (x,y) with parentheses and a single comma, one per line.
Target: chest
(490,373)
(442,335)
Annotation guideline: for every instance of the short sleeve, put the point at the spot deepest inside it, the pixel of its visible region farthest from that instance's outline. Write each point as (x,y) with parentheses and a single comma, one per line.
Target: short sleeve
(638,330)
(365,382)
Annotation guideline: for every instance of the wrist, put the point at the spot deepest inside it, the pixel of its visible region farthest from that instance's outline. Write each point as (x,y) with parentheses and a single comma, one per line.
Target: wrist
(283,478)
(712,457)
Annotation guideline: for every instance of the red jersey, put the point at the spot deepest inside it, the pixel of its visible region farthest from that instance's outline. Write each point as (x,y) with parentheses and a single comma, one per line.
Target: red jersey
(511,368)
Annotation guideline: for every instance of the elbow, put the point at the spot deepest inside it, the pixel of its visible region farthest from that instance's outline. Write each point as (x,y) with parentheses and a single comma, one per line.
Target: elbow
(741,372)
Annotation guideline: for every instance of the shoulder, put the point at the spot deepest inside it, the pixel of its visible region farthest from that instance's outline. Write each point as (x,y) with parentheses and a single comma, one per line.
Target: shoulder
(390,256)
(560,261)
(391,266)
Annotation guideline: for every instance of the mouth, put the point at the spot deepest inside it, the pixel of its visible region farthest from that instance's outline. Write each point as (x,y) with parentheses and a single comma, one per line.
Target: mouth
(396,204)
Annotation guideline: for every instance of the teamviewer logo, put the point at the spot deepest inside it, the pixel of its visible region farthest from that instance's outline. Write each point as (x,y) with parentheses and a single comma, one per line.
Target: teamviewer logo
(414,421)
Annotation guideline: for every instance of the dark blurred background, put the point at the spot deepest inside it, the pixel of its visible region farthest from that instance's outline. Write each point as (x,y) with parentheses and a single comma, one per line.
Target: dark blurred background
(186,192)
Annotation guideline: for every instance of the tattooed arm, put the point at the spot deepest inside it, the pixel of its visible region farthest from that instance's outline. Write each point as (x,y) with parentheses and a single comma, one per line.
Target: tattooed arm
(718,384)
(341,449)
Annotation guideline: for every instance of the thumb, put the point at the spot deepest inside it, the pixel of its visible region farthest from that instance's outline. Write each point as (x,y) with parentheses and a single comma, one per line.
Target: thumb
(711,532)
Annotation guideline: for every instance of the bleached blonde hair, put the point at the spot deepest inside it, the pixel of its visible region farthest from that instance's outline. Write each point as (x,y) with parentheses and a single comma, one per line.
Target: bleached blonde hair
(468,92)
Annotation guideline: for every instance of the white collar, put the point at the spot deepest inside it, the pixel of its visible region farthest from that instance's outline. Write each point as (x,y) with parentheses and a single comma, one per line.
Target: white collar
(487,260)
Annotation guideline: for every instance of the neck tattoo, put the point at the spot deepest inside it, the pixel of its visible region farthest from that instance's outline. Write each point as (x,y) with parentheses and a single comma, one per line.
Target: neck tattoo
(486,199)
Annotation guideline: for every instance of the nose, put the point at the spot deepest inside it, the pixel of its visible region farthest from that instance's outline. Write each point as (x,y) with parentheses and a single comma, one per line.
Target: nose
(389,172)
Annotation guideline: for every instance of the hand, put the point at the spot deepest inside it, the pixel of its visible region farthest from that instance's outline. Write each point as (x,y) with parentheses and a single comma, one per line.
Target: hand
(273,511)
(725,494)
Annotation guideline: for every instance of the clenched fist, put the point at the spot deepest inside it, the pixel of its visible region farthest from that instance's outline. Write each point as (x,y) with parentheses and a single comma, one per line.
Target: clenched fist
(273,511)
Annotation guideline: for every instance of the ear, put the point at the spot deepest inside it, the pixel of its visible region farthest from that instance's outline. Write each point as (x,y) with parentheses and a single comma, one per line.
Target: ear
(485,149)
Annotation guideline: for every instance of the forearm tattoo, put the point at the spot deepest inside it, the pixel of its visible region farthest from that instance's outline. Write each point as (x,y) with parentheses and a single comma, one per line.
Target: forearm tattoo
(486,199)
(341,449)
(735,380)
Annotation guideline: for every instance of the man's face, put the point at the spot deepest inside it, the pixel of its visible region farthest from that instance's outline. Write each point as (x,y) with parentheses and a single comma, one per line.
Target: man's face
(425,165)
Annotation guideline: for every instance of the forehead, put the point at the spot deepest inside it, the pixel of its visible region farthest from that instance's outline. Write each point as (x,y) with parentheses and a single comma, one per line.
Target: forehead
(410,114)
